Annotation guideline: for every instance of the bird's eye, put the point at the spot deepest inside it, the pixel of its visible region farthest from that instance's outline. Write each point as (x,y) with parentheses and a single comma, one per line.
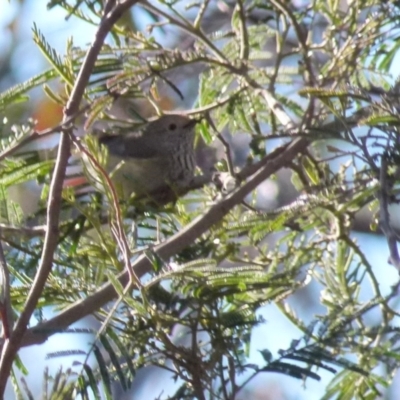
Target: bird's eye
(172,127)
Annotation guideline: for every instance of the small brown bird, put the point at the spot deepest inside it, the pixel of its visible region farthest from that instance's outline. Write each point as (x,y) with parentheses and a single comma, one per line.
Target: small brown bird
(156,163)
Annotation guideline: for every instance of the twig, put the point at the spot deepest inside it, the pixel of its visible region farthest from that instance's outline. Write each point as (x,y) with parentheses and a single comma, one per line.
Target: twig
(225,144)
(33,231)
(274,105)
(199,18)
(215,104)
(6,311)
(244,35)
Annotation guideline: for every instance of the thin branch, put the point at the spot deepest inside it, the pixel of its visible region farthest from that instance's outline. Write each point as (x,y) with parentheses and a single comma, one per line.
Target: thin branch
(33,231)
(244,35)
(200,14)
(6,310)
(225,144)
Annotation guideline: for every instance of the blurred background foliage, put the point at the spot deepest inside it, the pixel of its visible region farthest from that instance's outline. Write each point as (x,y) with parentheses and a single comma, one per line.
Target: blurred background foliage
(266,74)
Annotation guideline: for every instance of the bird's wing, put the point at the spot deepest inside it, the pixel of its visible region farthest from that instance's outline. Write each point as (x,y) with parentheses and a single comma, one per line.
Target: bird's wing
(131,145)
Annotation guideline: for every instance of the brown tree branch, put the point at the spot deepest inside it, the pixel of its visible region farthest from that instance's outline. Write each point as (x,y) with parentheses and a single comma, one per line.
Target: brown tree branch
(12,345)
